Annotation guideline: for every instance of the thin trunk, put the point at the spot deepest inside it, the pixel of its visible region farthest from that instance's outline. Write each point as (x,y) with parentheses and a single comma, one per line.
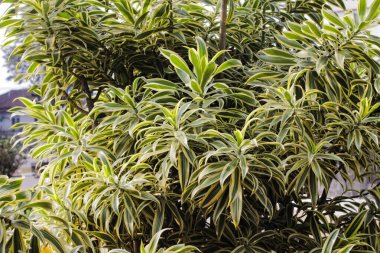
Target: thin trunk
(171,17)
(223,21)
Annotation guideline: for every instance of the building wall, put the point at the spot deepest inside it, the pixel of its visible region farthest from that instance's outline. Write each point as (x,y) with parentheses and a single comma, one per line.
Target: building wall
(6,121)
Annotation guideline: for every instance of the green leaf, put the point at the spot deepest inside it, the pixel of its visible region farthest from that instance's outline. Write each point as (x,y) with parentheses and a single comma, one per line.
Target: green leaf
(374,10)
(17,241)
(277,60)
(42,149)
(315,228)
(332,18)
(313,186)
(362,8)
(201,47)
(11,186)
(264,75)
(158,220)
(355,225)
(43,204)
(10,22)
(104,237)
(125,12)
(339,57)
(321,64)
(208,74)
(34,245)
(55,242)
(182,138)
(278,53)
(146,34)
(183,170)
(160,84)
(228,169)
(118,251)
(246,98)
(196,87)
(179,63)
(232,63)
(377,85)
(314,28)
(289,43)
(152,246)
(330,241)
(33,67)
(236,205)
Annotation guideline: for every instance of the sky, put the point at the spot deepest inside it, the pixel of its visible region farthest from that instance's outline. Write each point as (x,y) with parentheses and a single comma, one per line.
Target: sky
(6,85)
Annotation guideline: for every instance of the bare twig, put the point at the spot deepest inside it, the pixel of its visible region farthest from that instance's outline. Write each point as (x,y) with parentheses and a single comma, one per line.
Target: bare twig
(72,102)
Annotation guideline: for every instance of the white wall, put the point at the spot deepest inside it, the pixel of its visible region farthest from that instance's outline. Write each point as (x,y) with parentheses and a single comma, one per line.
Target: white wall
(6,120)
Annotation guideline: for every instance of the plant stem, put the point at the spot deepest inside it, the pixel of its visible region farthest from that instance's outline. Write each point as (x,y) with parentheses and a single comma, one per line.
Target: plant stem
(222,33)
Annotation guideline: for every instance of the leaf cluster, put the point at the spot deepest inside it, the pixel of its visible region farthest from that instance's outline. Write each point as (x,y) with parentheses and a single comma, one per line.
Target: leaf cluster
(155,143)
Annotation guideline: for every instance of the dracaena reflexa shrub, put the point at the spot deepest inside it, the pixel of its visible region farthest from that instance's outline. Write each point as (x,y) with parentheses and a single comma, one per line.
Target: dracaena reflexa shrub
(158,141)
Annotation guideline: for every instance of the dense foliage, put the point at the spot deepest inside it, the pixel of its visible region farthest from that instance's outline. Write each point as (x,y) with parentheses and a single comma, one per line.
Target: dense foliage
(157,139)
(10,158)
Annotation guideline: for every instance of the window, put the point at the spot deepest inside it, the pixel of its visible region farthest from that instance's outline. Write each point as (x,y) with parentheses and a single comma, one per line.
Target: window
(15,120)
